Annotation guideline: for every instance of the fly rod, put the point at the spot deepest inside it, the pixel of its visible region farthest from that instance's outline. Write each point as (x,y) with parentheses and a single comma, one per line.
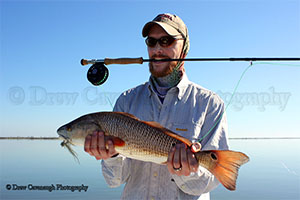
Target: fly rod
(109,61)
(98,72)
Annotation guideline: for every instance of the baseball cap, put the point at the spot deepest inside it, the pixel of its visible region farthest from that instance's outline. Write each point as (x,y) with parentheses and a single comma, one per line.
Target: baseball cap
(172,24)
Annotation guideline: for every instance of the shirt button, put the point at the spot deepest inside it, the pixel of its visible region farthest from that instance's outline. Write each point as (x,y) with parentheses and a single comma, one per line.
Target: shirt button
(182,187)
(155,174)
(152,198)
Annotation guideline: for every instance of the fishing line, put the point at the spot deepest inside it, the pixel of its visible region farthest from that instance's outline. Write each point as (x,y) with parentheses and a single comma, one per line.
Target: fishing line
(235,89)
(280,64)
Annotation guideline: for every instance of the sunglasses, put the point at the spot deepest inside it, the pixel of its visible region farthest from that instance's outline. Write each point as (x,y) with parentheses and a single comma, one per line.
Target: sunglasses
(164,41)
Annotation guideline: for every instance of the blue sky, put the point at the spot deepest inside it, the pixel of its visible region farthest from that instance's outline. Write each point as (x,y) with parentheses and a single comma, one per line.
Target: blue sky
(43,85)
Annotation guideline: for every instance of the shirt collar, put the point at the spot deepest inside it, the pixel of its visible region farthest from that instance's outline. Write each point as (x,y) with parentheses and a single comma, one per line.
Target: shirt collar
(182,86)
(150,87)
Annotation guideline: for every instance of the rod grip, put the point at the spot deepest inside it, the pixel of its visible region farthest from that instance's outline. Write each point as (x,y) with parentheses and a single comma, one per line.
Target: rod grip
(109,61)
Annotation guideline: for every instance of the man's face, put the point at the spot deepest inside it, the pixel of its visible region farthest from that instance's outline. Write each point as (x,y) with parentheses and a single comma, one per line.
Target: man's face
(160,69)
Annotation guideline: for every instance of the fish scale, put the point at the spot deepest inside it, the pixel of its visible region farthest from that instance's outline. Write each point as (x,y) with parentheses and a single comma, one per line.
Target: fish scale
(141,139)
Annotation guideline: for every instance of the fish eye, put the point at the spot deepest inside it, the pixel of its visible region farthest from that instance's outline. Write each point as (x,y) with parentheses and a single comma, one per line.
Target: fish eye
(69,129)
(213,156)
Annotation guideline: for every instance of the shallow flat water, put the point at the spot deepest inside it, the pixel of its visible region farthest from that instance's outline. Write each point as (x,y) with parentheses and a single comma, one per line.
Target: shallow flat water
(272,173)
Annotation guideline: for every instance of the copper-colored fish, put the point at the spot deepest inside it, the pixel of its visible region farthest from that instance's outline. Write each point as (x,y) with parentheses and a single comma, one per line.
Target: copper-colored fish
(149,141)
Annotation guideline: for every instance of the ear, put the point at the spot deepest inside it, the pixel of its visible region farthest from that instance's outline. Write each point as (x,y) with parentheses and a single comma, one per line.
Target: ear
(182,66)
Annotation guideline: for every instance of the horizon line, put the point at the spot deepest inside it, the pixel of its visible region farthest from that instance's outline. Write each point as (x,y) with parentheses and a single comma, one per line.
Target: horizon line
(57,138)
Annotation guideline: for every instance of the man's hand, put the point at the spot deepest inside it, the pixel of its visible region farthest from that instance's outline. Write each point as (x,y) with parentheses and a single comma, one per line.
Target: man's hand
(95,145)
(181,161)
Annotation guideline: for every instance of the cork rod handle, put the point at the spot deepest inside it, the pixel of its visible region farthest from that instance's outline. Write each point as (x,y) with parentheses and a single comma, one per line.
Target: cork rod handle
(109,61)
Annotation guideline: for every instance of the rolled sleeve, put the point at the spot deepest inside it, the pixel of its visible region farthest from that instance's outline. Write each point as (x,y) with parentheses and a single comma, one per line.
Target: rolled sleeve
(116,170)
(196,183)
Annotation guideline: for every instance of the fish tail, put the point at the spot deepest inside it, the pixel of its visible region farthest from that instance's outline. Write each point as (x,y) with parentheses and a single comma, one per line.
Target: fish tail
(226,166)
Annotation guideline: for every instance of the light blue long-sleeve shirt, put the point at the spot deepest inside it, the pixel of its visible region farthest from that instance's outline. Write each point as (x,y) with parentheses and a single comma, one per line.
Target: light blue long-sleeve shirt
(189,110)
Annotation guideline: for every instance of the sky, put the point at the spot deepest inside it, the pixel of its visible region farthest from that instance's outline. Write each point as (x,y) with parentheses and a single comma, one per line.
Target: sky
(43,85)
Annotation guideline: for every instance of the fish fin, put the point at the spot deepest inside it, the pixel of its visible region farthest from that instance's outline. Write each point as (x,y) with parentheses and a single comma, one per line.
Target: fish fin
(127,114)
(154,124)
(227,166)
(169,132)
(118,141)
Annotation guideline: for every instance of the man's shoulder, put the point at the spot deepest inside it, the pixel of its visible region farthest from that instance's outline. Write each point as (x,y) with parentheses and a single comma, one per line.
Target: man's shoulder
(204,93)
(131,97)
(135,90)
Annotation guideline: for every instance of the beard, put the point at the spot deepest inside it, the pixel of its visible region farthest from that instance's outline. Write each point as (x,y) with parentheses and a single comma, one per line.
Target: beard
(167,69)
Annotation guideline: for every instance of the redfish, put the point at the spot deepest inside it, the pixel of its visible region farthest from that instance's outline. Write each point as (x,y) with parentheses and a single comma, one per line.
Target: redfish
(149,142)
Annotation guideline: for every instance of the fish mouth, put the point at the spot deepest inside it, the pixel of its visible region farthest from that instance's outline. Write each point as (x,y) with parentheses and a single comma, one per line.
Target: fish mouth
(64,139)
(61,136)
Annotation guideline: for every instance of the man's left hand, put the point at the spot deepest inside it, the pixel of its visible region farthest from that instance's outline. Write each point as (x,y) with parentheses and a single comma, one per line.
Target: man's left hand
(181,160)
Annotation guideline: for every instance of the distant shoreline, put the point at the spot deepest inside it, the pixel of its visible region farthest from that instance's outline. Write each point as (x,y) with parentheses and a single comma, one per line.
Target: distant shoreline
(28,138)
(233,138)
(263,138)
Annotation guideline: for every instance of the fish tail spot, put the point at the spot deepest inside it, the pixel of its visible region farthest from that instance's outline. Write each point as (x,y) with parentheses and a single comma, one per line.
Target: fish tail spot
(227,164)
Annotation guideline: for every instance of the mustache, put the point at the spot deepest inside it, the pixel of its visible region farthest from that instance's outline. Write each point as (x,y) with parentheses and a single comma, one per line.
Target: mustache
(155,56)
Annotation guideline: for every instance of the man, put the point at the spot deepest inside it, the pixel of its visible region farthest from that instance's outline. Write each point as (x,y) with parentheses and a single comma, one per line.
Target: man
(170,99)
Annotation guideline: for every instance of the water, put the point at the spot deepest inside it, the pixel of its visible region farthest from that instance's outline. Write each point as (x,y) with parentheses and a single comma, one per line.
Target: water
(272,173)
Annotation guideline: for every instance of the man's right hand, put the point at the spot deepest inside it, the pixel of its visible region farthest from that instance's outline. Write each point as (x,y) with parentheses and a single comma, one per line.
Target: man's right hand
(96,144)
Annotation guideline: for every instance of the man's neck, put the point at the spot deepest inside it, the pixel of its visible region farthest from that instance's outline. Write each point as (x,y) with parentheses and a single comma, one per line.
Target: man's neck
(163,84)
(168,81)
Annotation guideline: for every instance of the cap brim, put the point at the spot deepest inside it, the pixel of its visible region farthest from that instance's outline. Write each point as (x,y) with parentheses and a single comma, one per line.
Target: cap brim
(169,29)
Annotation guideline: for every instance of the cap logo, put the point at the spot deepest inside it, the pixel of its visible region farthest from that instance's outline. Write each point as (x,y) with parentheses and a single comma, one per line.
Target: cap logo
(161,16)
